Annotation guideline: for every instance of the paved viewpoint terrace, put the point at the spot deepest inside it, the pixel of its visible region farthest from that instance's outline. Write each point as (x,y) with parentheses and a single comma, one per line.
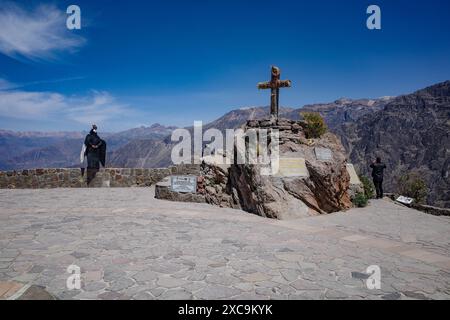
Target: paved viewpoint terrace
(132,246)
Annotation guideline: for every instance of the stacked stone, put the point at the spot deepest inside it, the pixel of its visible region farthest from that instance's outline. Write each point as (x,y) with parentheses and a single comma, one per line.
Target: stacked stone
(280,124)
(290,130)
(217,189)
(201,185)
(40,178)
(71,177)
(185,169)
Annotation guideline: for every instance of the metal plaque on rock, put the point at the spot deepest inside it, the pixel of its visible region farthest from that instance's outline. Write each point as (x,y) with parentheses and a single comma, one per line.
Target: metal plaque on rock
(323,154)
(292,167)
(185,184)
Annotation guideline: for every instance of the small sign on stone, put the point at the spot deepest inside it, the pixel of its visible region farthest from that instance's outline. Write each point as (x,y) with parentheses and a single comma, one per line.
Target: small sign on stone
(183,184)
(405,200)
(323,154)
(292,167)
(354,179)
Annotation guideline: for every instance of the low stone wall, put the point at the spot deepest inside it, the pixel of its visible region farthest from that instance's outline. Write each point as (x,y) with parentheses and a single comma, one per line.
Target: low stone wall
(289,129)
(106,177)
(435,211)
(280,124)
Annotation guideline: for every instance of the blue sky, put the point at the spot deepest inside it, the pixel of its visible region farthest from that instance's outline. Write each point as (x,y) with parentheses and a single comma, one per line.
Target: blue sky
(138,62)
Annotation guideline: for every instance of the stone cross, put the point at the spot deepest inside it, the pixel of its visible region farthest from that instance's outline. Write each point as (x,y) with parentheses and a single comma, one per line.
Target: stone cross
(274,85)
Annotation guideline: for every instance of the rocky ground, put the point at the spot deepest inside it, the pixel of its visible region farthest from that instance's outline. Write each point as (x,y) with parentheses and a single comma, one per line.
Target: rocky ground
(132,246)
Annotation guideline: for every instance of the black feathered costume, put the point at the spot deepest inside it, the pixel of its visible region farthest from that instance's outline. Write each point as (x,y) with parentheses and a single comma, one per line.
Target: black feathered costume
(96,154)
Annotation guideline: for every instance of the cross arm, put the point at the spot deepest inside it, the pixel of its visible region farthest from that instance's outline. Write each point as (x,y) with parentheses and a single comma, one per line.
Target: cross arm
(272,85)
(284,83)
(265,85)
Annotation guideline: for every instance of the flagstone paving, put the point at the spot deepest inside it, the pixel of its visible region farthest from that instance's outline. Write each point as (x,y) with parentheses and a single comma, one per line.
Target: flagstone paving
(132,246)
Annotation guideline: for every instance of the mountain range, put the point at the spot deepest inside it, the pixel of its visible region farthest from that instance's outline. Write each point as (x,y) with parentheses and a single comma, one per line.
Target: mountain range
(410,133)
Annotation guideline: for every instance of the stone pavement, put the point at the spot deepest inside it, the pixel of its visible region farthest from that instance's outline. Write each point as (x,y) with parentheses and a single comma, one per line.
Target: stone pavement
(132,246)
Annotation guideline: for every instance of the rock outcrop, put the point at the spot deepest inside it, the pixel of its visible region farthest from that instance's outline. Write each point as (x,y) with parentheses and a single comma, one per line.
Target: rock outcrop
(323,190)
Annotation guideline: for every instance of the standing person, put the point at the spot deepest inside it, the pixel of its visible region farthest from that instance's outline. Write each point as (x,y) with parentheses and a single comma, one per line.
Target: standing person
(377,176)
(95,152)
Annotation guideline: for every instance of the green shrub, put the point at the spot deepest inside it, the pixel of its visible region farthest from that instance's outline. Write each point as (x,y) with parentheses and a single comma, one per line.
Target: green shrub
(360,200)
(315,125)
(413,186)
(369,188)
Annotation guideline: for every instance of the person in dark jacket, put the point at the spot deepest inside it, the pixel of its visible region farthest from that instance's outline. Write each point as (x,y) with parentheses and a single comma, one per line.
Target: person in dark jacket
(95,152)
(377,176)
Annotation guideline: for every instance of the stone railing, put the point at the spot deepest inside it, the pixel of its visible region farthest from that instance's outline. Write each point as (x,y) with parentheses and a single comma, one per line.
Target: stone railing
(435,211)
(108,177)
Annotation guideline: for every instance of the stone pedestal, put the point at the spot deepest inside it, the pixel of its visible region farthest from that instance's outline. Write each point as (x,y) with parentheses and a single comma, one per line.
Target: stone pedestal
(163,191)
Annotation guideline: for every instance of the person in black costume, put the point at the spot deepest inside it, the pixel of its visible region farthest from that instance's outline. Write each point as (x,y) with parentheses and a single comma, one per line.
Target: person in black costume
(377,176)
(95,152)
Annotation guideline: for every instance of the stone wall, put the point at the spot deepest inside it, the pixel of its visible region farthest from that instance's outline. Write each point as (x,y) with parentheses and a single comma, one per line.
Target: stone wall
(280,124)
(435,211)
(107,177)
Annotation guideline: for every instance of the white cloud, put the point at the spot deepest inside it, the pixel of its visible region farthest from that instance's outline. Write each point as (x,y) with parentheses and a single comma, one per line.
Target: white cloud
(96,107)
(36,35)
(30,105)
(5,84)
(99,108)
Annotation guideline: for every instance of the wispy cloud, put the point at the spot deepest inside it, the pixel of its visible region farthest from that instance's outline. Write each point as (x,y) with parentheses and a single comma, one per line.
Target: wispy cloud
(37,34)
(8,85)
(96,107)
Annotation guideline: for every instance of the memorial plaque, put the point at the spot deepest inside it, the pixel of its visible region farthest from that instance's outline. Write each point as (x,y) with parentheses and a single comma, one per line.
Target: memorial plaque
(354,179)
(292,167)
(323,154)
(185,184)
(405,200)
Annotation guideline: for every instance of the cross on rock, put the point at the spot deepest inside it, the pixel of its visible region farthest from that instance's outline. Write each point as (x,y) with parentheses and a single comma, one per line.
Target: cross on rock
(274,85)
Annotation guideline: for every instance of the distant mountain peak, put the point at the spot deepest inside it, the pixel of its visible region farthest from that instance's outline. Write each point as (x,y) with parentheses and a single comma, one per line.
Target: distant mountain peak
(344,101)
(437,90)
(248,108)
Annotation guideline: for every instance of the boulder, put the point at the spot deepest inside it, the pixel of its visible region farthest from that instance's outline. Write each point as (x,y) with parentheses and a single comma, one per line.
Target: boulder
(264,195)
(324,190)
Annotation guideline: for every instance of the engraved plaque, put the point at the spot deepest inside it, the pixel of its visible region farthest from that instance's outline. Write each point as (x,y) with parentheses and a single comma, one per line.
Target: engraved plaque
(185,184)
(323,154)
(292,167)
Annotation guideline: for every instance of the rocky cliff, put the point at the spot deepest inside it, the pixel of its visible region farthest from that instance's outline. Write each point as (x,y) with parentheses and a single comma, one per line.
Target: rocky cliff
(411,133)
(346,110)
